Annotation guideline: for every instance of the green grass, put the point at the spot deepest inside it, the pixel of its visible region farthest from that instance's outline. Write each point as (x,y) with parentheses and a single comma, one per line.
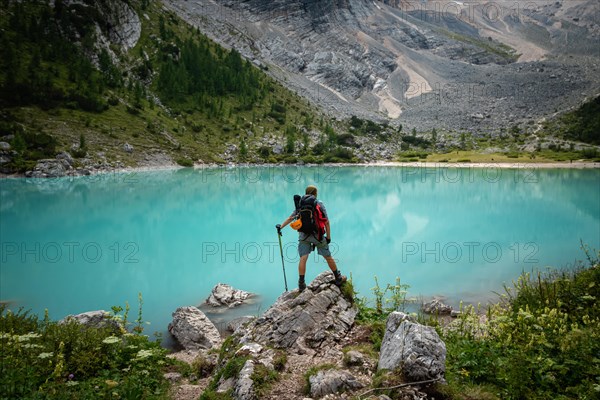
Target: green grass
(544,156)
(499,49)
(263,378)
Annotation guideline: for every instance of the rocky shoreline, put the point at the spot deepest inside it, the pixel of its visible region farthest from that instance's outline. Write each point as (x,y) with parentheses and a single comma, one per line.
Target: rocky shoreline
(307,345)
(310,334)
(55,168)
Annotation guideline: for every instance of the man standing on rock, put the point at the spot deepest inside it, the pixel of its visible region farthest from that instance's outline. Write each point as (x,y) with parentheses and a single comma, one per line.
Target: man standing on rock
(307,242)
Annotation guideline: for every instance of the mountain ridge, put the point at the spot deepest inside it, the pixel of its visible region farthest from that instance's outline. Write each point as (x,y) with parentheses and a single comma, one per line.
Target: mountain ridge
(371,58)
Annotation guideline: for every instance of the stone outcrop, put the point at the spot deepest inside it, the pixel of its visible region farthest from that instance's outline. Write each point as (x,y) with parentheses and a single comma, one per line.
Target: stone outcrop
(66,159)
(93,319)
(223,295)
(242,385)
(415,348)
(436,307)
(193,330)
(116,21)
(332,381)
(49,168)
(316,317)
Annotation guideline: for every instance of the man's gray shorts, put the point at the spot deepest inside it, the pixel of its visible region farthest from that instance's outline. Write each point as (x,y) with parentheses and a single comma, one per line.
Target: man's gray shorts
(305,246)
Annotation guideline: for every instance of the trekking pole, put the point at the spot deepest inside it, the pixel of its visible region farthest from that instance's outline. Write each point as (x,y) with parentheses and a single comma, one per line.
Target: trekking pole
(281,251)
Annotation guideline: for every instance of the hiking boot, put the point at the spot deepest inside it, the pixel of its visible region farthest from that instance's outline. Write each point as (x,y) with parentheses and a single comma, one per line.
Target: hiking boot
(339,278)
(301,285)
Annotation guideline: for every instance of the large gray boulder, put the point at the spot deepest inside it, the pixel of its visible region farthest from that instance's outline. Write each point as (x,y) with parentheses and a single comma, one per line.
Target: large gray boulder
(317,317)
(415,348)
(223,295)
(92,319)
(193,330)
(332,381)
(65,158)
(49,168)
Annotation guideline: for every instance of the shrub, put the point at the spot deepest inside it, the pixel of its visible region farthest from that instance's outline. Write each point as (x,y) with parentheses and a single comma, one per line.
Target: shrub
(68,360)
(541,342)
(346,139)
(416,141)
(589,153)
(279,360)
(185,162)
(264,151)
(202,367)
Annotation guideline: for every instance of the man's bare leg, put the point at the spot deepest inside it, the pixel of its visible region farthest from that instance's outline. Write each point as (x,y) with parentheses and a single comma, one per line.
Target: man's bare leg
(302,272)
(330,262)
(339,279)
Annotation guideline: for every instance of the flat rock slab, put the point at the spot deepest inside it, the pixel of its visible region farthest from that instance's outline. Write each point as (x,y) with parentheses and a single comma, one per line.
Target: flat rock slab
(315,317)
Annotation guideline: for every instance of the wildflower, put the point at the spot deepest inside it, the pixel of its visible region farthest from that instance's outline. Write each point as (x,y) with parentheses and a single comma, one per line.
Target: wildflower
(144,354)
(111,383)
(111,340)
(72,383)
(28,336)
(45,355)
(71,376)
(32,346)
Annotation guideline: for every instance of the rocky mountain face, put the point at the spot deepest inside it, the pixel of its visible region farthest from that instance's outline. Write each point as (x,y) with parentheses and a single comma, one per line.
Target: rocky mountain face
(425,64)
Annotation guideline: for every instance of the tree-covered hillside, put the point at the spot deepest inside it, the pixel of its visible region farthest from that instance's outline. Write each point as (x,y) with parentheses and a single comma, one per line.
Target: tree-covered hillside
(68,82)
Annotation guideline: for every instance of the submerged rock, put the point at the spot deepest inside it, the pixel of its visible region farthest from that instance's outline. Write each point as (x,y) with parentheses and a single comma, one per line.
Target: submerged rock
(193,330)
(435,306)
(223,295)
(415,348)
(237,323)
(318,316)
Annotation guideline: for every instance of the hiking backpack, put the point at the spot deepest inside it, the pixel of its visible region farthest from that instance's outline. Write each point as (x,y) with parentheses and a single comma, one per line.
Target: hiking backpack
(309,212)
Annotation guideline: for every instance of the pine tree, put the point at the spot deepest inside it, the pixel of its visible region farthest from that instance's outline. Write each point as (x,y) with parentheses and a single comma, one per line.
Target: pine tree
(243,150)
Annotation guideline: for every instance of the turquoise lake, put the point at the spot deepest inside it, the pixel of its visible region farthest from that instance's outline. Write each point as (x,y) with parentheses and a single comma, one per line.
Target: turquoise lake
(77,244)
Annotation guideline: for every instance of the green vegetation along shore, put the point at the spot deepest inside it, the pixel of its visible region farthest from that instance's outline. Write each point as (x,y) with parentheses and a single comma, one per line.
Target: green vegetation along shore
(541,340)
